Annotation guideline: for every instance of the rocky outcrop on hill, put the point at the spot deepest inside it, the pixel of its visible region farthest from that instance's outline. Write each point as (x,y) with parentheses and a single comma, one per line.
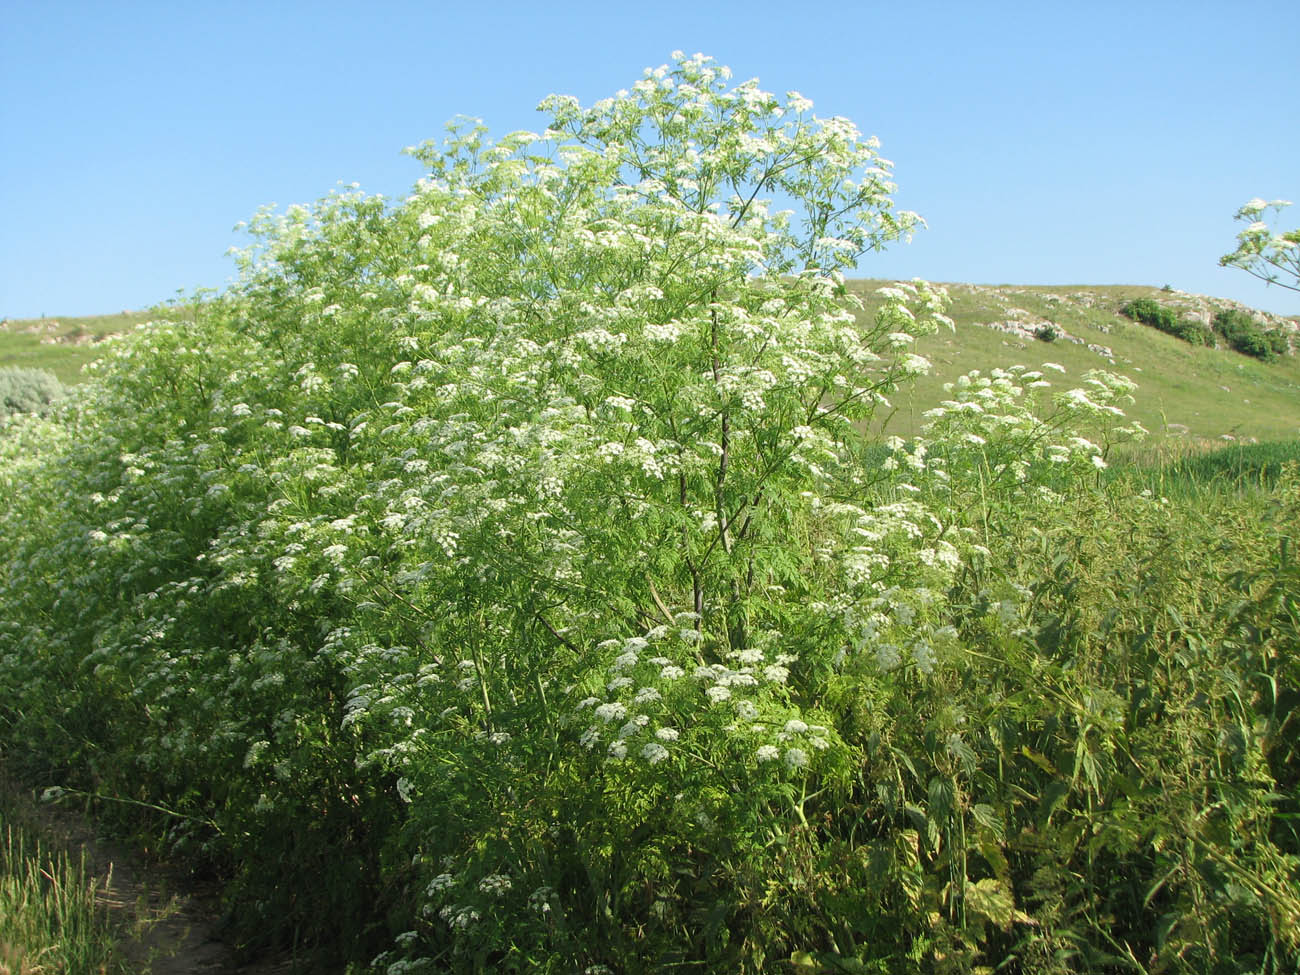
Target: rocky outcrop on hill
(1066,315)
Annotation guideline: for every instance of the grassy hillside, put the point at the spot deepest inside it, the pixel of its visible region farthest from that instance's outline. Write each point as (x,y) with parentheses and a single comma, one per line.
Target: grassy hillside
(1184,392)
(1188,393)
(61,345)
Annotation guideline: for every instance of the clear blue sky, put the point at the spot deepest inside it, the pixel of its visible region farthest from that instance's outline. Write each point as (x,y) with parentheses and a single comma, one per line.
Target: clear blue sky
(1044,143)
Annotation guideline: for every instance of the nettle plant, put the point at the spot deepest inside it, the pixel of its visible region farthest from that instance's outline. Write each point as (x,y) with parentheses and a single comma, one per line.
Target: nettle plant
(526,537)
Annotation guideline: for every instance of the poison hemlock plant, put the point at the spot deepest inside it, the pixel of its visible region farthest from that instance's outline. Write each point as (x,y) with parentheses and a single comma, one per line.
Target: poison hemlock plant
(511,564)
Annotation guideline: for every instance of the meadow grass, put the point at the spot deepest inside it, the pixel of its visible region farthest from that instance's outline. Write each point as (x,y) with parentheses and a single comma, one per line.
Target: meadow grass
(62,345)
(1184,392)
(50,920)
(1192,474)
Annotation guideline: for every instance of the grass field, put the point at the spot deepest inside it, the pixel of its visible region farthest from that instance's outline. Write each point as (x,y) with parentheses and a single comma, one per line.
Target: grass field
(62,345)
(1193,394)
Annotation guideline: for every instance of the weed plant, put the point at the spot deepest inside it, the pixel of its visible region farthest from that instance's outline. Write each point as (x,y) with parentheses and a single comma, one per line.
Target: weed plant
(511,570)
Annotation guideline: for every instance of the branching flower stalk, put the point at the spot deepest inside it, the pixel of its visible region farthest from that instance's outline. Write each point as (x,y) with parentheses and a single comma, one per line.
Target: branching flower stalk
(1261,252)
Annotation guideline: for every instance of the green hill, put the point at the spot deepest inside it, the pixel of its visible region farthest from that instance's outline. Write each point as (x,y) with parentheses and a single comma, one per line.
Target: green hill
(1185,392)
(62,345)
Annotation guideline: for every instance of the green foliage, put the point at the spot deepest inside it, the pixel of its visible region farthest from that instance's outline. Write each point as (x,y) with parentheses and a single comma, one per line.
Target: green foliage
(1245,335)
(27,390)
(1153,753)
(1151,312)
(511,569)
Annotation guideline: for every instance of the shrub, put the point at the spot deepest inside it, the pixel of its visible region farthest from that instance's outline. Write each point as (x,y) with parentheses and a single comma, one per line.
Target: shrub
(466,526)
(1150,312)
(1145,310)
(1193,332)
(27,390)
(1244,334)
(1047,333)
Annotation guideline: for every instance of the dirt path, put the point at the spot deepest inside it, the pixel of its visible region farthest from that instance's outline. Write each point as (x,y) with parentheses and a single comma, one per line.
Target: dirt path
(171,922)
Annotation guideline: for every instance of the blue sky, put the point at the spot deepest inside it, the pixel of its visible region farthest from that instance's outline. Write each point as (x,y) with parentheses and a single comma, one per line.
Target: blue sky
(1044,143)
